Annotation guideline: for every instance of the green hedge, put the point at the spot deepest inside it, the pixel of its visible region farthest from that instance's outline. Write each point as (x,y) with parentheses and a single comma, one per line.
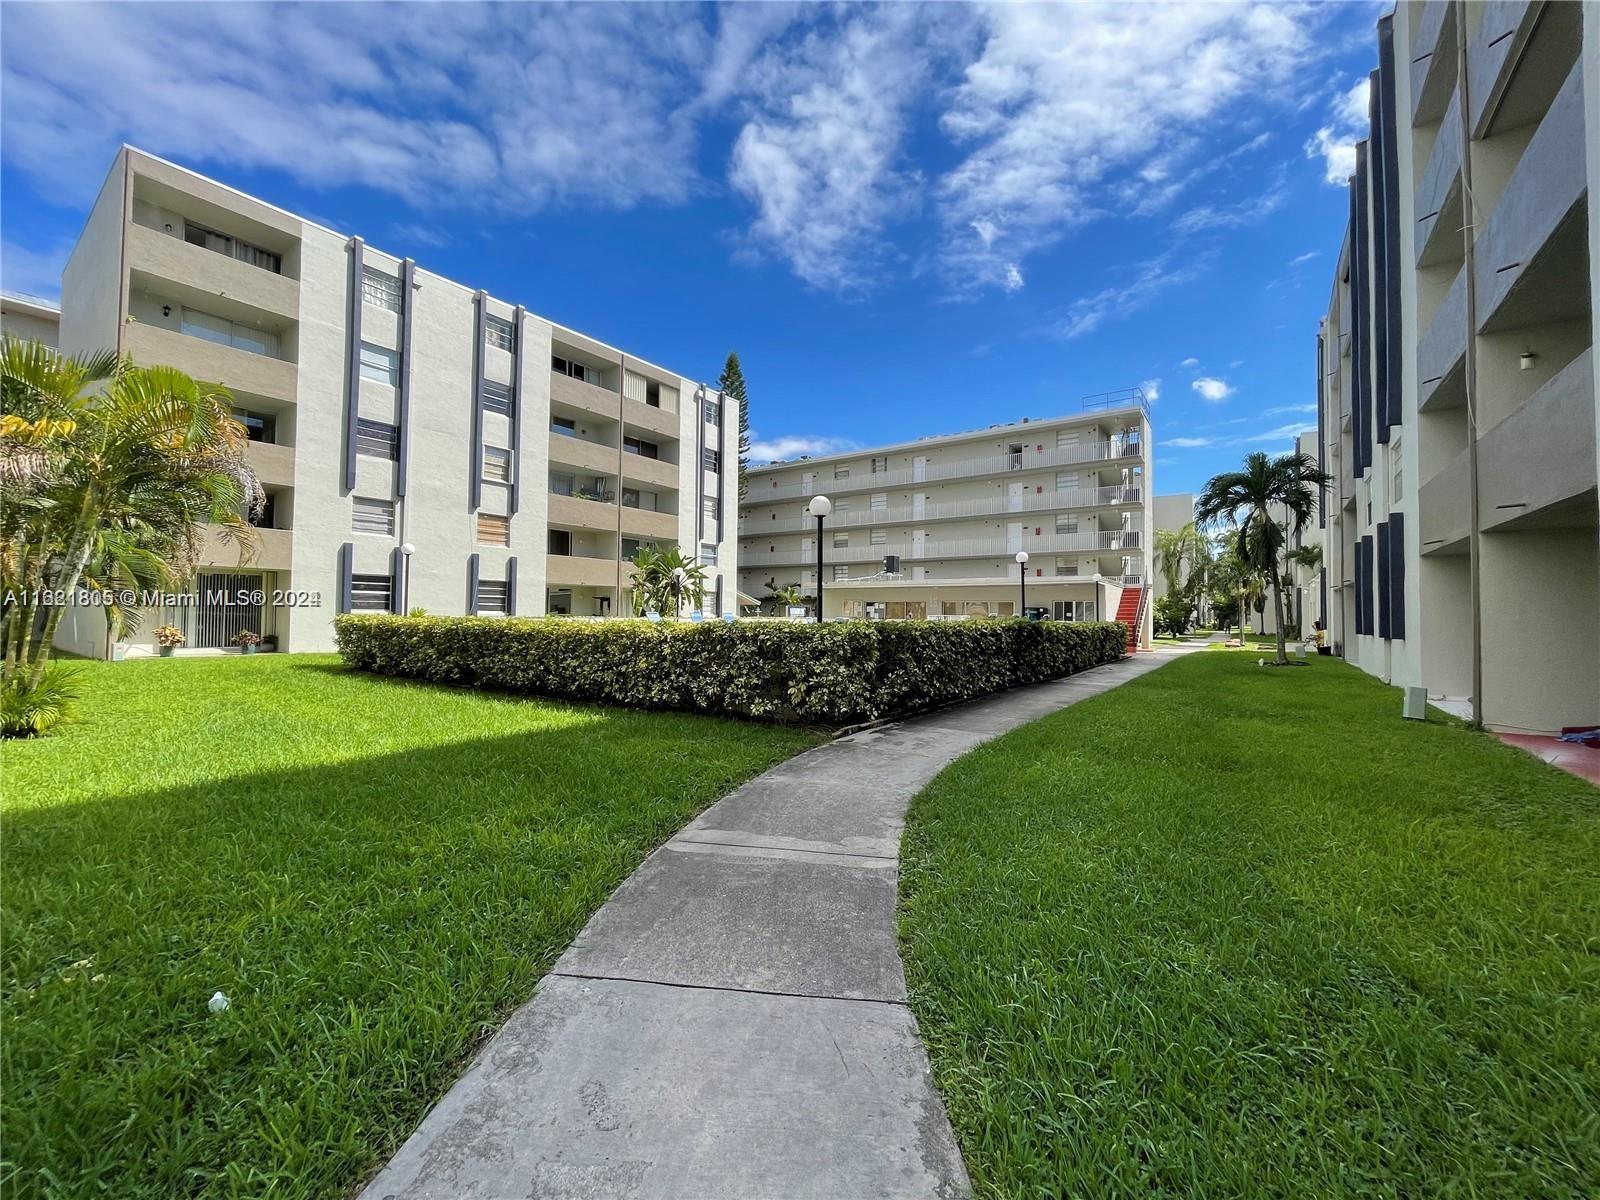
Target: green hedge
(837,674)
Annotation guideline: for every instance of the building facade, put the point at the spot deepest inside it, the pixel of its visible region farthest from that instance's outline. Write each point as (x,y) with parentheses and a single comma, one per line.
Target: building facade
(1456,374)
(30,319)
(422,444)
(931,528)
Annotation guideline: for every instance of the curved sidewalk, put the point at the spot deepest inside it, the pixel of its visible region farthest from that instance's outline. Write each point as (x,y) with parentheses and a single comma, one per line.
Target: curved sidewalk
(732,1023)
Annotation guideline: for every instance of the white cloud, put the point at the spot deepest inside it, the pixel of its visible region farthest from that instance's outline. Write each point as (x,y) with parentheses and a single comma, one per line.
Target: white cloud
(793,445)
(1071,111)
(1300,259)
(415,233)
(1190,362)
(1285,409)
(1187,443)
(32,272)
(1150,279)
(1282,432)
(1212,391)
(1013,279)
(1232,216)
(1336,141)
(1151,389)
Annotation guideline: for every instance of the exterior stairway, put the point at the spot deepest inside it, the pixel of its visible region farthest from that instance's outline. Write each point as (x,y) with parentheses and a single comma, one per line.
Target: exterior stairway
(1130,611)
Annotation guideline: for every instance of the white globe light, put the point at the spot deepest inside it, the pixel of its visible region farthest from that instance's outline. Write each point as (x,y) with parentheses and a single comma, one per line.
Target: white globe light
(1022,556)
(821,506)
(408,549)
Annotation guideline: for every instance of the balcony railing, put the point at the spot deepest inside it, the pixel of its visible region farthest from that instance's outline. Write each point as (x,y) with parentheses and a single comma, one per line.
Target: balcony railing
(997,464)
(1054,543)
(955,509)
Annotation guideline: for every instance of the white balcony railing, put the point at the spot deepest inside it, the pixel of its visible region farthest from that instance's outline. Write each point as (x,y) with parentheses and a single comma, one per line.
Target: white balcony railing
(1055,543)
(998,464)
(1051,501)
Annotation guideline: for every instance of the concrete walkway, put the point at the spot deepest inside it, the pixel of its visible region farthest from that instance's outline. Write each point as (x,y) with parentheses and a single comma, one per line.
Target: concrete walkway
(732,1023)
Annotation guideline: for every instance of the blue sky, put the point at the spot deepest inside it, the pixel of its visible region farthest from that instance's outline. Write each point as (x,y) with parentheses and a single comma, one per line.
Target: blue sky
(906,219)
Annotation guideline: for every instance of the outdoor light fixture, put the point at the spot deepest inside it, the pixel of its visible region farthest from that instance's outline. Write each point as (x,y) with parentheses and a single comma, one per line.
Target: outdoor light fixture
(1022,583)
(406,551)
(1525,362)
(820,507)
(166,310)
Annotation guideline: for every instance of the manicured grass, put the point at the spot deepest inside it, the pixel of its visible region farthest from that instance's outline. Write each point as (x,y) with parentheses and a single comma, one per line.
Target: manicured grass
(1227,931)
(374,872)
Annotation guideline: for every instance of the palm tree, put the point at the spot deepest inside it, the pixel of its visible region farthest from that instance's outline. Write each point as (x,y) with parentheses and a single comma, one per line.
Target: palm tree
(109,473)
(786,597)
(663,579)
(1245,500)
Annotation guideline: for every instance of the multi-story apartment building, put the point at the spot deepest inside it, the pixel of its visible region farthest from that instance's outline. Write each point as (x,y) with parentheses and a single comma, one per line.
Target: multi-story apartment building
(30,319)
(421,443)
(1457,378)
(931,528)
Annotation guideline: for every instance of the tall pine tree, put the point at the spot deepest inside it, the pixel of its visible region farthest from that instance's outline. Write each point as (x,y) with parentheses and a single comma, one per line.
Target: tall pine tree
(731,385)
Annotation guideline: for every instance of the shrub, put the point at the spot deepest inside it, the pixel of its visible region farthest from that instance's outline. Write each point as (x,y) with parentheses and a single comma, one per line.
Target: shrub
(1173,614)
(833,674)
(169,635)
(35,711)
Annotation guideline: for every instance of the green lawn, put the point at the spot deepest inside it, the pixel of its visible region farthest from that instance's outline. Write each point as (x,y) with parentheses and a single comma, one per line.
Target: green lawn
(1232,932)
(374,872)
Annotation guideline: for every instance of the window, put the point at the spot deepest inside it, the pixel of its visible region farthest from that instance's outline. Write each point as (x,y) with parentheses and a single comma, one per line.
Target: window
(841,571)
(841,472)
(630,548)
(560,484)
(711,507)
(371,593)
(880,537)
(494,530)
(377,439)
(644,449)
(373,516)
(713,412)
(379,364)
(496,464)
(1066,566)
(258,427)
(652,393)
(879,501)
(840,507)
(1065,438)
(559,542)
(494,596)
(379,289)
(575,370)
(221,243)
(708,555)
(880,462)
(711,460)
(1066,523)
(497,397)
(841,541)
(1066,481)
(565,426)
(497,331)
(228,333)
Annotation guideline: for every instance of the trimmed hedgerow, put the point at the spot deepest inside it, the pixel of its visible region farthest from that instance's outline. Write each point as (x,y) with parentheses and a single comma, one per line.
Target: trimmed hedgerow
(836,674)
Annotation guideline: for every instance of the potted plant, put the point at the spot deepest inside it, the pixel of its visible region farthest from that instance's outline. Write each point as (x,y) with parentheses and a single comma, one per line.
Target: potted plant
(169,638)
(247,640)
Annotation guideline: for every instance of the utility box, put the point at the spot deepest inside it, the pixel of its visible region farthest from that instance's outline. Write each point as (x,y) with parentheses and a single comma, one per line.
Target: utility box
(891,564)
(1415,707)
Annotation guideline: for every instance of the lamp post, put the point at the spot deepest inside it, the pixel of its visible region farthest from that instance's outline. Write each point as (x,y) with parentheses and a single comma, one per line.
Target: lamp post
(406,551)
(1022,584)
(820,507)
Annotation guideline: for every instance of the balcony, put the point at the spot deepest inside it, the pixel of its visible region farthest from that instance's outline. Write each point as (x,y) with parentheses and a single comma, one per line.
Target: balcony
(993,547)
(651,472)
(1433,61)
(575,393)
(572,570)
(643,523)
(1536,468)
(1048,502)
(1438,202)
(643,417)
(205,271)
(273,464)
(1441,356)
(996,465)
(1444,507)
(1538,230)
(591,457)
(1517,60)
(238,370)
(582,514)
(272,550)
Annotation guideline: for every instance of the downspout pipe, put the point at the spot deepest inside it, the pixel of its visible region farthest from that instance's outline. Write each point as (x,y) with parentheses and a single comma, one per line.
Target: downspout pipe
(1469,256)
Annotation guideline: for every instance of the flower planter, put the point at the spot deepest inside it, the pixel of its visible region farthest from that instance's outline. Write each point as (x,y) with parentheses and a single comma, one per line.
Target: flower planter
(248,649)
(166,651)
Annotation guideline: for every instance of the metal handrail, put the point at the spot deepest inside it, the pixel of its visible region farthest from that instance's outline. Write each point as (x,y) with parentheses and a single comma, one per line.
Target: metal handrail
(1101,497)
(1061,543)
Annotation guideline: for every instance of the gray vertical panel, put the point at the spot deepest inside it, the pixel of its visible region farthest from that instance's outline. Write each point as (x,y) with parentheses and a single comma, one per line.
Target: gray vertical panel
(408,273)
(352,379)
(1384,560)
(1397,576)
(516,408)
(472,585)
(397,581)
(1391,382)
(511,586)
(1377,184)
(480,303)
(1361,364)
(700,467)
(1322,436)
(346,566)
